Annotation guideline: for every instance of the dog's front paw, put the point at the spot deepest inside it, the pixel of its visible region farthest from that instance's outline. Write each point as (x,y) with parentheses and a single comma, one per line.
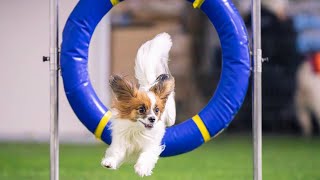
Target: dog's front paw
(142,170)
(109,163)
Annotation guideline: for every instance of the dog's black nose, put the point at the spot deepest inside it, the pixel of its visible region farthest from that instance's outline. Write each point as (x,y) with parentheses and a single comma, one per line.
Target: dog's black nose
(151,119)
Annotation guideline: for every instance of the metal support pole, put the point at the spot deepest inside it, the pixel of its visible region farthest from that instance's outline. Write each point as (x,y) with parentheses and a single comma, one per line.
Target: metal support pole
(54,89)
(257,95)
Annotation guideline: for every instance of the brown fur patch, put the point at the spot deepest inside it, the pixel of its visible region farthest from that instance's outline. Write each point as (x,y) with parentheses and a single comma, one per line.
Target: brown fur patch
(159,104)
(128,99)
(163,89)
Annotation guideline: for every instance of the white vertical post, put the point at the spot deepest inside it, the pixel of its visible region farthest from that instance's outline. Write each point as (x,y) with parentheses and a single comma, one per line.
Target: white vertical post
(54,89)
(257,95)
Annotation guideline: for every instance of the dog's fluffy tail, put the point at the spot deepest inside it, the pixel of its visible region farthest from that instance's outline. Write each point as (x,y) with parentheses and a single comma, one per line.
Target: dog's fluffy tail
(152,60)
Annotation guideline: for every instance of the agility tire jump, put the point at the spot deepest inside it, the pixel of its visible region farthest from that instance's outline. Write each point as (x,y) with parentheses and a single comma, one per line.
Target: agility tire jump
(190,134)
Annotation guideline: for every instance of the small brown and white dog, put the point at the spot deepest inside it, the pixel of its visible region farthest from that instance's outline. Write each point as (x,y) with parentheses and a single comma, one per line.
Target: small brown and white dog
(307,95)
(141,114)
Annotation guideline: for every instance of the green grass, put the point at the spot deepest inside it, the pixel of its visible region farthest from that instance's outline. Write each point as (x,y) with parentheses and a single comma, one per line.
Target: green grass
(225,158)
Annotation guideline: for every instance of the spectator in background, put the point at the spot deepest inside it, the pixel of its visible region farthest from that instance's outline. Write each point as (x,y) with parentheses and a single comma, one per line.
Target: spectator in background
(279,45)
(278,34)
(307,97)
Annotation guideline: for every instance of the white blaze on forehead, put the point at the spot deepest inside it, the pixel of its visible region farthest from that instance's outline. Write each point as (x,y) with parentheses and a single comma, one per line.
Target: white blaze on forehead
(152,98)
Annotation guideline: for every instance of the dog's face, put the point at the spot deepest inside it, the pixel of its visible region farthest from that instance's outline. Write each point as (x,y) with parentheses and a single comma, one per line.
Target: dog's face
(144,108)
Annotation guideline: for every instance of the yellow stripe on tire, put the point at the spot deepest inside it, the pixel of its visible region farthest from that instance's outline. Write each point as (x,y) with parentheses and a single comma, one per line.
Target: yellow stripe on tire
(203,129)
(102,124)
(197,3)
(114,2)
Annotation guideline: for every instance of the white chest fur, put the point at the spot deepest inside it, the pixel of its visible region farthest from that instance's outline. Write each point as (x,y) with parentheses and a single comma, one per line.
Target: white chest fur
(130,139)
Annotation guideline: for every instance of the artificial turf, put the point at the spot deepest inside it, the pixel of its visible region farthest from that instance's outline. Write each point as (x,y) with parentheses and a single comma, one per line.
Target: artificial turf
(228,157)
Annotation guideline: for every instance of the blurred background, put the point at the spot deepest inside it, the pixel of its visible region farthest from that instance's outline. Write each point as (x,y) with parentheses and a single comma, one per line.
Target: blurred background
(291,77)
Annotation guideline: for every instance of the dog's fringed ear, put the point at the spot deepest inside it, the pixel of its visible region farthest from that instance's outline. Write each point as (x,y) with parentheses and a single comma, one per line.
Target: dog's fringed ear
(164,87)
(122,88)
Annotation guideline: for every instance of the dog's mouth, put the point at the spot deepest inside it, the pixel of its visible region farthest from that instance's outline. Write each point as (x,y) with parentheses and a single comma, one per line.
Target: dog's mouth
(148,126)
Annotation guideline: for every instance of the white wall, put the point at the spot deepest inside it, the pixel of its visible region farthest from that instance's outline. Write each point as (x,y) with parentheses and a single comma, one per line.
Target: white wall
(24,78)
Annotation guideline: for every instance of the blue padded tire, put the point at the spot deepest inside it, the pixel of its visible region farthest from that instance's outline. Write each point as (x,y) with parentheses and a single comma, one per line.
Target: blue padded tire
(180,138)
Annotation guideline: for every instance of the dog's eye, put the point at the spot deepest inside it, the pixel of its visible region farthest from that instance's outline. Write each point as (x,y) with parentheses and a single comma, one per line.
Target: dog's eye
(142,109)
(156,110)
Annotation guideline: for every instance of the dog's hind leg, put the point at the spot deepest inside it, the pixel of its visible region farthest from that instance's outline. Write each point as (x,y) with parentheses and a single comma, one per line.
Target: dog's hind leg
(303,115)
(305,121)
(317,115)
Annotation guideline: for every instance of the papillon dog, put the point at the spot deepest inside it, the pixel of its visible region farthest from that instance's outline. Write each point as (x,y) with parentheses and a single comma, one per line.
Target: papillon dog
(141,114)
(307,94)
